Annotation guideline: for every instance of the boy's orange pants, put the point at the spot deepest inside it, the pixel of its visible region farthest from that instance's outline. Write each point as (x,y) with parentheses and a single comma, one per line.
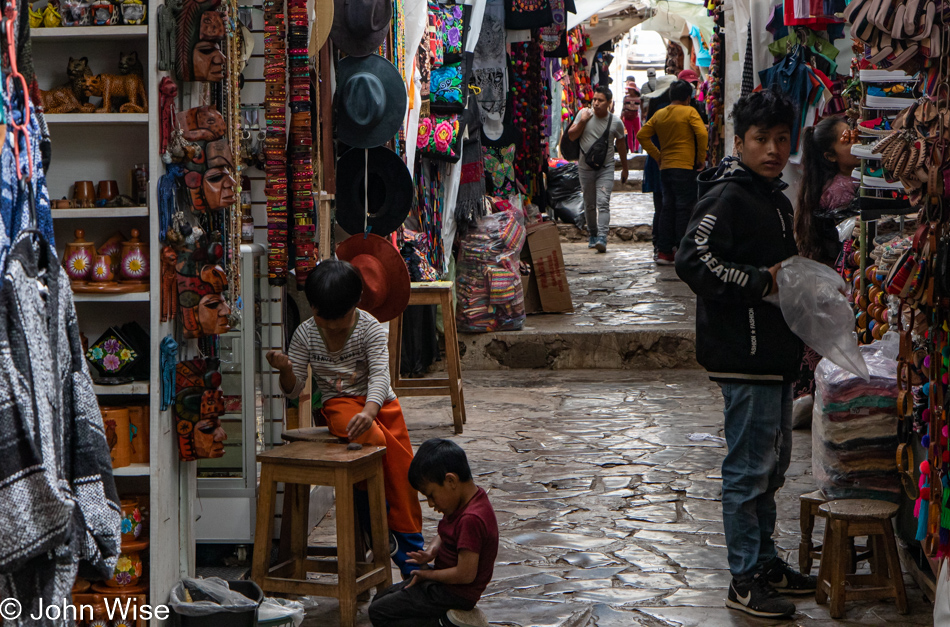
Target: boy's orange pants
(389,430)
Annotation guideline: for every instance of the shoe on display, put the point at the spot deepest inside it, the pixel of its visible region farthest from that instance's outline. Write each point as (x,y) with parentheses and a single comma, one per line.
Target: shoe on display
(601,244)
(665,259)
(591,241)
(471,618)
(786,579)
(756,597)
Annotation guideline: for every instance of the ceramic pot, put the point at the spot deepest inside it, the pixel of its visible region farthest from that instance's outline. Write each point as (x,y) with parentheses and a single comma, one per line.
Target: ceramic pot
(85,193)
(134,266)
(62,203)
(102,269)
(138,418)
(116,423)
(113,248)
(108,190)
(80,585)
(128,568)
(78,258)
(132,521)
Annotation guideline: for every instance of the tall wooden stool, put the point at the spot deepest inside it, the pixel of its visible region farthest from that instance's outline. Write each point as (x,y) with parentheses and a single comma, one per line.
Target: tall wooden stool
(302,464)
(434,293)
(852,518)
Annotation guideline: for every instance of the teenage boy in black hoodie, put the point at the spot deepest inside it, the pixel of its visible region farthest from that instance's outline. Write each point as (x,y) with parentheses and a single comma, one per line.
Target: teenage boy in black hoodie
(741,230)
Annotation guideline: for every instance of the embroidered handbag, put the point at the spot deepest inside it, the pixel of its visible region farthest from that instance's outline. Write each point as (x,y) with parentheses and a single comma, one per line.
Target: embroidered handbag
(448,87)
(440,137)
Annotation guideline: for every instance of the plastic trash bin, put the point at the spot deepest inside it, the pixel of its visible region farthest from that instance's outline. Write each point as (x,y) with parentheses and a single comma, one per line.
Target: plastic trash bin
(247,618)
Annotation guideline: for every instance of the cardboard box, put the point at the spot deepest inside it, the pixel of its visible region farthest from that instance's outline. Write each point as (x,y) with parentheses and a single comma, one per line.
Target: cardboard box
(549,276)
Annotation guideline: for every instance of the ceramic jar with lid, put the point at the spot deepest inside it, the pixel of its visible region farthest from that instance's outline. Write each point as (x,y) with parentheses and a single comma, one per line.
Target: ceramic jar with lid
(78,258)
(134,265)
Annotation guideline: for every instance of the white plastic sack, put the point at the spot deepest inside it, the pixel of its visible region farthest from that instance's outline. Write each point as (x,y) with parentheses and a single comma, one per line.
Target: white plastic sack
(846,229)
(942,598)
(816,310)
(281,608)
(225,599)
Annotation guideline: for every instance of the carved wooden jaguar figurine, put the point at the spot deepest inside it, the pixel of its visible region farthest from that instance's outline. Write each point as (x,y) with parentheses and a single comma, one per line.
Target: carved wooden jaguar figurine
(110,86)
(63,100)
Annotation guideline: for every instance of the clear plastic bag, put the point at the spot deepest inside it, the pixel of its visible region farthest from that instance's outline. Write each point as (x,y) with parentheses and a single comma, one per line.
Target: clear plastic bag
(812,301)
(272,609)
(224,599)
(488,278)
(854,429)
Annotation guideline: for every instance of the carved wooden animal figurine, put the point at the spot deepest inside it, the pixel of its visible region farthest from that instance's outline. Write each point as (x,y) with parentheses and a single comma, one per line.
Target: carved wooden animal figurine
(130,64)
(110,86)
(63,100)
(77,70)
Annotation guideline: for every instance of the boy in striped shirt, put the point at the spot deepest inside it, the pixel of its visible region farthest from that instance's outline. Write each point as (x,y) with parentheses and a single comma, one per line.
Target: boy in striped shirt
(347,351)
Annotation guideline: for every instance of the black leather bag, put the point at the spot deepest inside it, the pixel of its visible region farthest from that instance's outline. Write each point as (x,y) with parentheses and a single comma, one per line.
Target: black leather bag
(597,155)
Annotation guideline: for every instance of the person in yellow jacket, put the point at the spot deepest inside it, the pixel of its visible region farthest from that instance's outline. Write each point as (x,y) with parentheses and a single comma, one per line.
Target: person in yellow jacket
(682,152)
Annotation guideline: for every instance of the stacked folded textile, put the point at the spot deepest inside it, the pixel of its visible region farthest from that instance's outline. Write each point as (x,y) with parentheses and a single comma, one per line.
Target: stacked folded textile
(854,431)
(488,281)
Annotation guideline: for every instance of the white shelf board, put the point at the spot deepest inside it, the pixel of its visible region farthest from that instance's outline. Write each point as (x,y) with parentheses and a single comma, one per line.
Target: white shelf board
(132,297)
(97,118)
(99,212)
(88,32)
(132,470)
(136,387)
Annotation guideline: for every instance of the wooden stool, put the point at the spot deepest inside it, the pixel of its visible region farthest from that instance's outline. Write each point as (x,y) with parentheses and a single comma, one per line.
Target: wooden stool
(302,464)
(311,434)
(848,519)
(434,293)
(807,552)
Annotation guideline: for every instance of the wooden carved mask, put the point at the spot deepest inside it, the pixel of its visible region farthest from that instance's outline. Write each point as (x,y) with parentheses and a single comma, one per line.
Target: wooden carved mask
(210,179)
(198,42)
(201,282)
(199,405)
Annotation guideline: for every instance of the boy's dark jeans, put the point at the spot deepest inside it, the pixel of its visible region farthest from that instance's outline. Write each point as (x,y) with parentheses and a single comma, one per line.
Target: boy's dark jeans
(679,197)
(422,605)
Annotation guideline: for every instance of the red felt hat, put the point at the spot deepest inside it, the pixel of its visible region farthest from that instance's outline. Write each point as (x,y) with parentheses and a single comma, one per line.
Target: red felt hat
(689,76)
(385,276)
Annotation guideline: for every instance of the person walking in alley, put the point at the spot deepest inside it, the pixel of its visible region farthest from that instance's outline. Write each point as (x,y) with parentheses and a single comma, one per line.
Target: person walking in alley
(600,132)
(683,139)
(631,114)
(741,231)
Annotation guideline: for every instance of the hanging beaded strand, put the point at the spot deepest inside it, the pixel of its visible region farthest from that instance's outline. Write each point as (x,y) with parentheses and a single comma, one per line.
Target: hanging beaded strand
(275,141)
(232,104)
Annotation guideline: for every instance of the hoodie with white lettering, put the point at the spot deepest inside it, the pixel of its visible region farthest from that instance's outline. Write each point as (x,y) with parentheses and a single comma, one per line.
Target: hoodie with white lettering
(741,226)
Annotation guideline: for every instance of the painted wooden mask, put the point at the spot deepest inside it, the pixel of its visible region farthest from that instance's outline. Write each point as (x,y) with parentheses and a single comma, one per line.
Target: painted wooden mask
(199,405)
(198,42)
(210,179)
(201,283)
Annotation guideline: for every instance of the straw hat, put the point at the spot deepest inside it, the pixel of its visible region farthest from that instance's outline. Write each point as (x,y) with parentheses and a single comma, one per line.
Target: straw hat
(321,21)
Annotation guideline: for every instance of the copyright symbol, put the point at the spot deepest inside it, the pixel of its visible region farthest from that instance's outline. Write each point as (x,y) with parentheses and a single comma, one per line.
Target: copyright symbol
(10,609)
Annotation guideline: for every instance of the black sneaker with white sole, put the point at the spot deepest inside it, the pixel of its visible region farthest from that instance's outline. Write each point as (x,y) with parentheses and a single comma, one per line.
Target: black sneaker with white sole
(787,580)
(756,597)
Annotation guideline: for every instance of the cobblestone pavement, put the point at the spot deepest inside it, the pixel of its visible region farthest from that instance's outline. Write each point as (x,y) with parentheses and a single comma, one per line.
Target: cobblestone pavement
(609,513)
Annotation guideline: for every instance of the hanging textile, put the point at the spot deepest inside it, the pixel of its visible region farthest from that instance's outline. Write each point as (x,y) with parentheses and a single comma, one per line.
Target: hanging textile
(530,102)
(490,68)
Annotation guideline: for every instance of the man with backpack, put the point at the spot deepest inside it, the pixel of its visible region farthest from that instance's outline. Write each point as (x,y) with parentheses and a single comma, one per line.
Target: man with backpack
(600,132)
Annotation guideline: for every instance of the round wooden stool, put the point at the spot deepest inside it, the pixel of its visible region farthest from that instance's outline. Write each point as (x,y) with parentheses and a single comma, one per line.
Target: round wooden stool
(311,434)
(853,518)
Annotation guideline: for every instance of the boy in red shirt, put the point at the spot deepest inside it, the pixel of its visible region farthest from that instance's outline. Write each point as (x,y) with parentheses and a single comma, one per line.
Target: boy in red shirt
(464,551)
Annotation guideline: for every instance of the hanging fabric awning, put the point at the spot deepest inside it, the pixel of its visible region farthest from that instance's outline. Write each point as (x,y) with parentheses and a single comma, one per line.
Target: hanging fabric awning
(585,9)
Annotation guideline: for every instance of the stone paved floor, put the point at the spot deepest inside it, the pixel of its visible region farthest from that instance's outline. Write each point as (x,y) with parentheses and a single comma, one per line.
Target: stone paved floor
(609,513)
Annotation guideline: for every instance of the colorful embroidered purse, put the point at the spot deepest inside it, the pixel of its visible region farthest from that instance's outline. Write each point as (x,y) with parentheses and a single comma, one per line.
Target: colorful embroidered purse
(448,88)
(440,137)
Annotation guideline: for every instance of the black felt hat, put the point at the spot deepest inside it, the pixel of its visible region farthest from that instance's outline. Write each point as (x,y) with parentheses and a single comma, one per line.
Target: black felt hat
(371,101)
(390,191)
(360,26)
